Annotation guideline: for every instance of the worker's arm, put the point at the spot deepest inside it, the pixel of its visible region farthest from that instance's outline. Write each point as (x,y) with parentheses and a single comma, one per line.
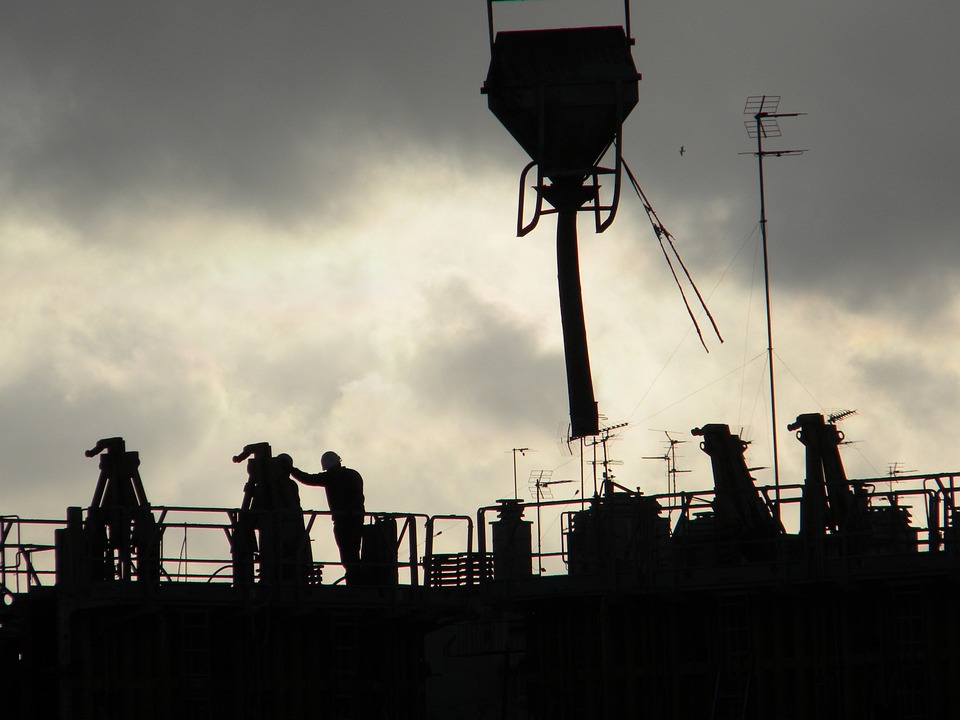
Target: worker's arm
(307,478)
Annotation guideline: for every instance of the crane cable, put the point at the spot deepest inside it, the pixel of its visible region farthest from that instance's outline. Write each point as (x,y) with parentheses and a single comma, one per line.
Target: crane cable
(662,233)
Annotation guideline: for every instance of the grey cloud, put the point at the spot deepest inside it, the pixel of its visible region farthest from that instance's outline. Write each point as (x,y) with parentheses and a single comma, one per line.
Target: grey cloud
(112,111)
(477,360)
(230,104)
(298,379)
(46,430)
(278,112)
(928,393)
(871,200)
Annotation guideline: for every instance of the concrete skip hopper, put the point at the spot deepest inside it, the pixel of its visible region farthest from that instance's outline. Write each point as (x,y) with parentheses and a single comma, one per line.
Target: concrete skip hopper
(563,93)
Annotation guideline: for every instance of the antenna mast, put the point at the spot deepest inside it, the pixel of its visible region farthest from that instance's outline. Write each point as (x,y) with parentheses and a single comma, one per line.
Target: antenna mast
(670,457)
(605,434)
(523,451)
(539,486)
(764,124)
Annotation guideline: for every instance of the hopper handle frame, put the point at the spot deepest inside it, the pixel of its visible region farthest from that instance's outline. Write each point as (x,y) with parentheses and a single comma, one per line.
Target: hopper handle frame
(492,33)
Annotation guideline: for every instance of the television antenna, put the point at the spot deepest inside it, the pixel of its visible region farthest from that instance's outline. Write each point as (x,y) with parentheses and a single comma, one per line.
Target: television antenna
(539,484)
(895,469)
(523,451)
(606,434)
(836,417)
(670,457)
(765,124)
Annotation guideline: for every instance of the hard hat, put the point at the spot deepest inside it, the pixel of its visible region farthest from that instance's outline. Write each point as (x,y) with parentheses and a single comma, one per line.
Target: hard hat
(329,460)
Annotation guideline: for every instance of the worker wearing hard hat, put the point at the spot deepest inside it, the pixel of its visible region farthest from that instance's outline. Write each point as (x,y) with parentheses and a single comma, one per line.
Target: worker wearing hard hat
(344,489)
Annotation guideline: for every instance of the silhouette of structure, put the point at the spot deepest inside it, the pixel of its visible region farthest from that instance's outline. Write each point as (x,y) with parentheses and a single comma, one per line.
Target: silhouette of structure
(143,611)
(721,614)
(563,95)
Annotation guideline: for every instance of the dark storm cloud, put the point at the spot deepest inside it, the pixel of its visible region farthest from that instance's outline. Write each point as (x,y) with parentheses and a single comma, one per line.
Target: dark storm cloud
(872,200)
(273,109)
(278,110)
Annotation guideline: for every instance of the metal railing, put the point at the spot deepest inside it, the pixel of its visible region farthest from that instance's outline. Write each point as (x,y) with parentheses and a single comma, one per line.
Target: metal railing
(26,553)
(196,546)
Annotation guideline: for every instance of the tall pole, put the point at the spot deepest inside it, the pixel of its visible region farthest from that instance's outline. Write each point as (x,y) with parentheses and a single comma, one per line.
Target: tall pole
(583,500)
(766,286)
(522,451)
(765,124)
(539,534)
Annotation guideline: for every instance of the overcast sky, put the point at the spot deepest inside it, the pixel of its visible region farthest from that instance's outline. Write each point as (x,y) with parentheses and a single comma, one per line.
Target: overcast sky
(229,222)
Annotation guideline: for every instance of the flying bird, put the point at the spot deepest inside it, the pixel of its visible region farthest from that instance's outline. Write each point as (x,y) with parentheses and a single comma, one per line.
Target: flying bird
(683,149)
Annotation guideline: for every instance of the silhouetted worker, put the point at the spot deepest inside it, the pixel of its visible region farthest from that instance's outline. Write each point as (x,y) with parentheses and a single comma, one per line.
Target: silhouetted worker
(271,506)
(344,488)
